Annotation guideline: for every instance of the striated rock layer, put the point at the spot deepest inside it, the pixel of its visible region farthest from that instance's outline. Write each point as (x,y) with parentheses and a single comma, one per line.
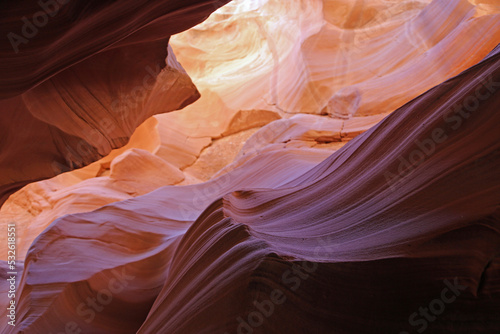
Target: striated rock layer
(259,66)
(403,217)
(337,57)
(77,78)
(233,215)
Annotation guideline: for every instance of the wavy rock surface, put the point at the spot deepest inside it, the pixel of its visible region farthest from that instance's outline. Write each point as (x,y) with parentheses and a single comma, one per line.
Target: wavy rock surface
(159,237)
(404,214)
(257,64)
(233,215)
(48,37)
(343,58)
(82,76)
(391,245)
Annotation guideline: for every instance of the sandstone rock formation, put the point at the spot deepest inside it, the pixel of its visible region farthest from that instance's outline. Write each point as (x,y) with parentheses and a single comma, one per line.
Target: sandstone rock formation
(382,225)
(234,61)
(82,76)
(339,172)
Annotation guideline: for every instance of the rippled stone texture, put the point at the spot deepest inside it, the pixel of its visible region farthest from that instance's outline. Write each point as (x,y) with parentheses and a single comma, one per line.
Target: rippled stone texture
(344,58)
(84,78)
(234,216)
(367,236)
(249,60)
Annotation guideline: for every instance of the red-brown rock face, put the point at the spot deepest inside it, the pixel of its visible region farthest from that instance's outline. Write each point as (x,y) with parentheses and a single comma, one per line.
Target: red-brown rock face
(77,78)
(339,173)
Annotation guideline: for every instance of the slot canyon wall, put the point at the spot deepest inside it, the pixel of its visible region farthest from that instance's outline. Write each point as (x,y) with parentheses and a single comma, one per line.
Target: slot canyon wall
(257,166)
